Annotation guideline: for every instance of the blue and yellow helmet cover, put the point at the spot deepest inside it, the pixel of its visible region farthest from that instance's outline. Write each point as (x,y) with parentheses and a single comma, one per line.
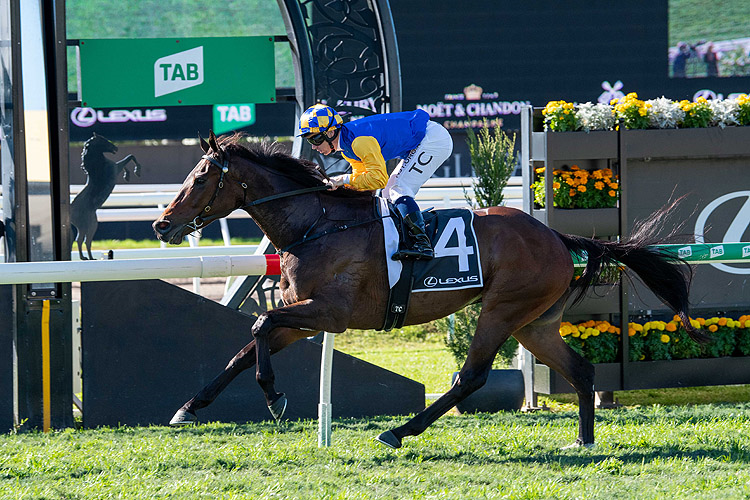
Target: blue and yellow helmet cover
(319,118)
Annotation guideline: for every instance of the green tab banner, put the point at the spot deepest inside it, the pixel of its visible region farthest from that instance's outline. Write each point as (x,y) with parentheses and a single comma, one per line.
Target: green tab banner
(177,71)
(701,253)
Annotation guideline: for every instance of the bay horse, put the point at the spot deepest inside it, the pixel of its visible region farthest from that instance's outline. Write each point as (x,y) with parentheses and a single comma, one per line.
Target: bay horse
(339,280)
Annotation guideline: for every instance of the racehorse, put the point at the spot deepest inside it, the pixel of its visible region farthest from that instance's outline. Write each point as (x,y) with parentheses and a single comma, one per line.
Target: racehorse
(102,174)
(338,280)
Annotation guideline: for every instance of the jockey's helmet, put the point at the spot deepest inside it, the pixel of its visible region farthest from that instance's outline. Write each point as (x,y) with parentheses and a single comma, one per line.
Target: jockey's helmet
(319,118)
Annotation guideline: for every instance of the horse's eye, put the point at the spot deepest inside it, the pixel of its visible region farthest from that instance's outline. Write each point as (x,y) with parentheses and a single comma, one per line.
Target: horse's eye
(200,180)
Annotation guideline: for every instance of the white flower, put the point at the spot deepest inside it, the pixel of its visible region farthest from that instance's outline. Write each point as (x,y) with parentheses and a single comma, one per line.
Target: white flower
(597,116)
(725,112)
(664,113)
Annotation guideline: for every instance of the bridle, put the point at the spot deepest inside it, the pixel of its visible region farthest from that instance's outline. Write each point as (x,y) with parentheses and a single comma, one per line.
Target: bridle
(198,221)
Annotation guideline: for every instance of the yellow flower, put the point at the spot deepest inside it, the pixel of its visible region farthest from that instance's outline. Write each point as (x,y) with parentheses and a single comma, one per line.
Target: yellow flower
(664,338)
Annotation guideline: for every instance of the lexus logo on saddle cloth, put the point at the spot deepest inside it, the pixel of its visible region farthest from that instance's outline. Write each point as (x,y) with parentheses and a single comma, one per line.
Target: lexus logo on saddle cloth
(734,232)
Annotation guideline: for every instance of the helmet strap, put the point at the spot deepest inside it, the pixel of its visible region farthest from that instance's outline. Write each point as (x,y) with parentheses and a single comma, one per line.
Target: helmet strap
(330,140)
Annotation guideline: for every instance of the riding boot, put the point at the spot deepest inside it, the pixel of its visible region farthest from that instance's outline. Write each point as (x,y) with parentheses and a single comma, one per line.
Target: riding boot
(420,247)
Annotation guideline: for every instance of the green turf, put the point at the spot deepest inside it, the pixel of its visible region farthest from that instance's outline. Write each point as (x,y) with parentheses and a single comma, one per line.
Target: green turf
(643,453)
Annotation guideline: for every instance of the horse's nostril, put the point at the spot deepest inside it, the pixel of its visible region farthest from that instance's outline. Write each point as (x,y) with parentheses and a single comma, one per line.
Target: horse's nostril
(162,225)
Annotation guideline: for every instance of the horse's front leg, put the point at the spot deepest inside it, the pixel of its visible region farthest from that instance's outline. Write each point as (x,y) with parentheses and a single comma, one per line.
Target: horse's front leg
(307,315)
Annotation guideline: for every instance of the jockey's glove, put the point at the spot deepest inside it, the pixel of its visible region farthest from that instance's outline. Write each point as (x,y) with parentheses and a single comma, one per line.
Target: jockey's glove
(338,180)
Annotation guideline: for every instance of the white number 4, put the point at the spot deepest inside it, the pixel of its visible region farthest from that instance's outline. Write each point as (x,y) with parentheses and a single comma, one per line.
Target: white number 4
(455,225)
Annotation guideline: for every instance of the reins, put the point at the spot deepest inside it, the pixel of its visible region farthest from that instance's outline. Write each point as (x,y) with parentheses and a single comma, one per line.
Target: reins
(198,221)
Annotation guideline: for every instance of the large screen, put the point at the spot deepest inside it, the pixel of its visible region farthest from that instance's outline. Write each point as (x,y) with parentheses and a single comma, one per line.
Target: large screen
(709,39)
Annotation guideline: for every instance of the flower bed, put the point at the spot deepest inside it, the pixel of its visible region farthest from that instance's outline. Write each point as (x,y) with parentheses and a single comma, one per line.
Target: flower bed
(661,113)
(599,341)
(579,188)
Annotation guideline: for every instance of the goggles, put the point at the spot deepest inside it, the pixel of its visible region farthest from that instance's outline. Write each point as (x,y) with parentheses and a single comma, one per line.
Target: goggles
(317,139)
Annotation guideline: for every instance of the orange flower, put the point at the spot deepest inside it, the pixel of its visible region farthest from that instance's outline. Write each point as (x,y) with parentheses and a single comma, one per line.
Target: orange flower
(713,328)
(555,185)
(722,321)
(599,185)
(612,194)
(671,327)
(572,193)
(582,188)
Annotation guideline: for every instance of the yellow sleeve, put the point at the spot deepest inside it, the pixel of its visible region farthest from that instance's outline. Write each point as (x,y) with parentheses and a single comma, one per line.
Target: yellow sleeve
(370,173)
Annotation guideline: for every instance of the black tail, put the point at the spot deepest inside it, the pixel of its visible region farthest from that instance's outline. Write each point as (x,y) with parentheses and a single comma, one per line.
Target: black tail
(666,275)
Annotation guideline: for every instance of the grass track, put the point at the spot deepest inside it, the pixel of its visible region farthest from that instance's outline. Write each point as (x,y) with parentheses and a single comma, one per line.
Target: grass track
(655,452)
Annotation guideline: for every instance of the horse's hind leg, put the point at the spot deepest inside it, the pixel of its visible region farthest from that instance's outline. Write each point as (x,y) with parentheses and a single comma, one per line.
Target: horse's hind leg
(491,333)
(542,338)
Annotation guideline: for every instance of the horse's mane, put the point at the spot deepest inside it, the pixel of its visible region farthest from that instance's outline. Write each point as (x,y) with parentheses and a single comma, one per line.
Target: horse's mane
(269,154)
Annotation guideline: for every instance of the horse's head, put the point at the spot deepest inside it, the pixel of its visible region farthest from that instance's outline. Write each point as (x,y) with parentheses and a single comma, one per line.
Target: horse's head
(209,192)
(98,144)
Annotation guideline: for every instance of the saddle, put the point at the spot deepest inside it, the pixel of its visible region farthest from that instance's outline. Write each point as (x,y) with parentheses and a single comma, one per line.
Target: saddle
(456,264)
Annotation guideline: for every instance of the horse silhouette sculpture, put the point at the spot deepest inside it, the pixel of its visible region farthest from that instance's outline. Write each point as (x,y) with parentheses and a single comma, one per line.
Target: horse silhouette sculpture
(332,279)
(102,174)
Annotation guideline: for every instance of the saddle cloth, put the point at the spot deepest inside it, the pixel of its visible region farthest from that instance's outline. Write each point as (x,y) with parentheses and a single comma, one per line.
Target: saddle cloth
(457,263)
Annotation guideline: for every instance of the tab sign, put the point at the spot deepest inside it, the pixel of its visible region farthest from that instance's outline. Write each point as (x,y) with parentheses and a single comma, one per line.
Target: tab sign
(178,71)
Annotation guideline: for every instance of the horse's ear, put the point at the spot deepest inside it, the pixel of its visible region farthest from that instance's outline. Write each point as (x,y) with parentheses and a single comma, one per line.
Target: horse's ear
(212,141)
(204,145)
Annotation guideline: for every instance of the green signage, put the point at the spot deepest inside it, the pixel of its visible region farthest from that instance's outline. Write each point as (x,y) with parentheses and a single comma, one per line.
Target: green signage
(701,253)
(177,71)
(228,117)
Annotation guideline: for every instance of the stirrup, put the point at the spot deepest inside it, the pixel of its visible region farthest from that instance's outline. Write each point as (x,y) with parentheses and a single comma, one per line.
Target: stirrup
(414,253)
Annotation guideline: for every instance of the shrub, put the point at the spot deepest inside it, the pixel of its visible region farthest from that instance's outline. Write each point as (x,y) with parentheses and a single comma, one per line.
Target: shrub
(494,161)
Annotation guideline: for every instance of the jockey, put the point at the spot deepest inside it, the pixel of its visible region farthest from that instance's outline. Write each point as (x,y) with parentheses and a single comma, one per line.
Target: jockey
(367,143)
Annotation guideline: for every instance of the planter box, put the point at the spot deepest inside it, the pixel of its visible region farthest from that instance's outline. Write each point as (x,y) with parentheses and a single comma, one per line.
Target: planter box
(581,145)
(711,142)
(653,375)
(586,222)
(547,381)
(503,391)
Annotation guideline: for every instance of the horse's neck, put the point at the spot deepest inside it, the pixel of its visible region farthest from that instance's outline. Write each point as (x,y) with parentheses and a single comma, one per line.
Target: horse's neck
(286,220)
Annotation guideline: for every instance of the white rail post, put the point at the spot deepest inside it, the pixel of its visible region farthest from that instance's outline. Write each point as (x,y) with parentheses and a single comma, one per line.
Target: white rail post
(325,407)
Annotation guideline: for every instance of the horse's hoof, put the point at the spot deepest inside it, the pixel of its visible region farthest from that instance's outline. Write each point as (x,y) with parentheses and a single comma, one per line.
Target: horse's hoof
(183,417)
(389,439)
(278,407)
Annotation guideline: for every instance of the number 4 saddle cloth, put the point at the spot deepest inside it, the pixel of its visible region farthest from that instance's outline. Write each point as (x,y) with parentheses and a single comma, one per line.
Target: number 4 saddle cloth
(456,264)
